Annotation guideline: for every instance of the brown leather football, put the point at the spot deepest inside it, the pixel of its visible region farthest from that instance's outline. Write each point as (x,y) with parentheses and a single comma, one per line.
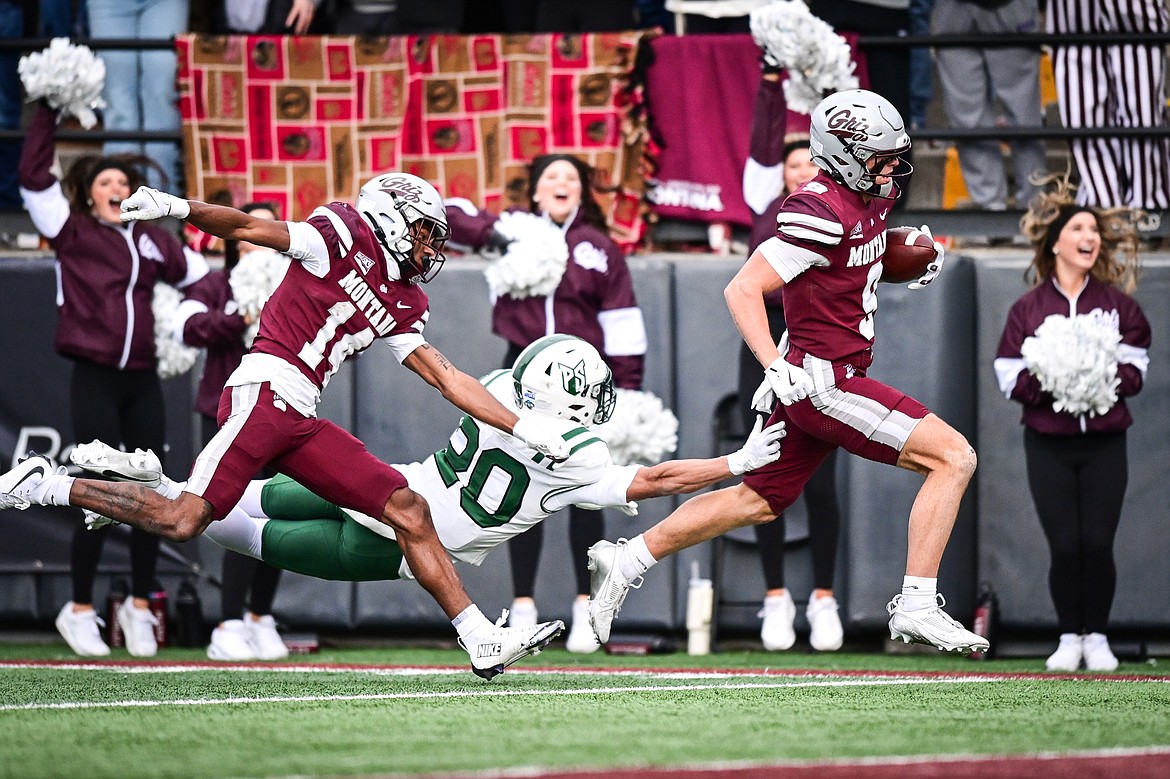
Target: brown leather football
(908,252)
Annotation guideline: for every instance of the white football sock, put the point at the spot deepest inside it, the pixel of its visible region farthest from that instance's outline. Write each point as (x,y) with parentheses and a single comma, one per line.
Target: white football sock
(239,532)
(56,489)
(635,558)
(919,592)
(250,501)
(470,620)
(169,488)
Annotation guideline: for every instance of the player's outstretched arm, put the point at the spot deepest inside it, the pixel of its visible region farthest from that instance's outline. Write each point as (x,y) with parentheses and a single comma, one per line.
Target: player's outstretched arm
(676,477)
(221,221)
(471,397)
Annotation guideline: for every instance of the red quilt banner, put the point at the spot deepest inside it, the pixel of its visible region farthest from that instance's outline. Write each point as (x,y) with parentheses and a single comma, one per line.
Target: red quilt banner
(303,120)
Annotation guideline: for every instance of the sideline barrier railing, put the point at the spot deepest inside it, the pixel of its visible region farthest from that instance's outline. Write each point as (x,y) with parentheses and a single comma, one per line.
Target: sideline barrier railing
(976,222)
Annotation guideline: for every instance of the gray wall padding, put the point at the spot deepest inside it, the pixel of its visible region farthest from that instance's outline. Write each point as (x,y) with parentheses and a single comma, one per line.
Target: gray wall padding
(935,344)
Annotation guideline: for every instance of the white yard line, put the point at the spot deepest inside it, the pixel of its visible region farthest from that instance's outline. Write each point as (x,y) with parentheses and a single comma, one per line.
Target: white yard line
(484,693)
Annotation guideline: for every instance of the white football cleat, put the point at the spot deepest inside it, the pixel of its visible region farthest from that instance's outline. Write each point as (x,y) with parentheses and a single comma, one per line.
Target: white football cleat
(934,627)
(141,466)
(24,485)
(608,587)
(95,521)
(494,649)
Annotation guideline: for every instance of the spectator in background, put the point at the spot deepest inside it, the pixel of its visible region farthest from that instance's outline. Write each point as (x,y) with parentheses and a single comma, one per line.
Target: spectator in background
(594,301)
(355,17)
(1114,86)
(888,66)
(921,64)
(105,284)
(140,84)
(11,104)
(209,318)
(1085,263)
(272,17)
(974,79)
(777,166)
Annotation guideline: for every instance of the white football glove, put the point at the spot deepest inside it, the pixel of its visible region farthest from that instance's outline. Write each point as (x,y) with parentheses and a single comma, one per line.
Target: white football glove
(543,439)
(935,267)
(788,382)
(147,204)
(762,447)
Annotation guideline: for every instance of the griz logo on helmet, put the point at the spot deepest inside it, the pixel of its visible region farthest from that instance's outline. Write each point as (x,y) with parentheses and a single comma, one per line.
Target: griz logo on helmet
(404,188)
(846,126)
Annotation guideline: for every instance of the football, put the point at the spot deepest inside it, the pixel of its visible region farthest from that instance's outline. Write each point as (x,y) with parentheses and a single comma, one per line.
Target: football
(908,252)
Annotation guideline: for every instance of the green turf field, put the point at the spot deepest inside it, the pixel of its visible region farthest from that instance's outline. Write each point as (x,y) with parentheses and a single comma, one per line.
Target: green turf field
(404,711)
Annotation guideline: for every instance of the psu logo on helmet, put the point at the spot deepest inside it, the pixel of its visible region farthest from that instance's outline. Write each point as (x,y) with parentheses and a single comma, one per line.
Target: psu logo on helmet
(573,378)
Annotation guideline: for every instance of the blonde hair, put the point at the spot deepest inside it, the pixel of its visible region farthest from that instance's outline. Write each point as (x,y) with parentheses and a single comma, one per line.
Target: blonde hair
(1117,263)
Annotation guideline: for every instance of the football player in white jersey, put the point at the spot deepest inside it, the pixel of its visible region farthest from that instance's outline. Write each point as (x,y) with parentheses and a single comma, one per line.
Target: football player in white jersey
(485,486)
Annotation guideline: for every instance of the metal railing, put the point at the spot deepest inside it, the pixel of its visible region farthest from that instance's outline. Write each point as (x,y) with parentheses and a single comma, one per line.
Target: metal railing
(865,41)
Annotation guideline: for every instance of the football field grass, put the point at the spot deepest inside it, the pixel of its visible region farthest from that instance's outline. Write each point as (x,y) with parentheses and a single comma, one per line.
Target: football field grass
(414,711)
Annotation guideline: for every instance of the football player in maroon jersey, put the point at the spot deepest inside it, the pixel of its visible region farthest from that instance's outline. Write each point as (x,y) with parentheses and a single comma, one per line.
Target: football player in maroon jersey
(826,257)
(355,278)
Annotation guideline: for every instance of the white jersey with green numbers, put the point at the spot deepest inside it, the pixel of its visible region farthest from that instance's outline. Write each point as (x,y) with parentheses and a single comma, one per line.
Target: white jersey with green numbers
(486,486)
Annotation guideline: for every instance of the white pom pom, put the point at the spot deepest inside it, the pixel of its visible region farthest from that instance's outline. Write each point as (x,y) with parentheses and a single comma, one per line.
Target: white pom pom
(535,260)
(641,430)
(253,280)
(1075,359)
(68,77)
(174,357)
(817,58)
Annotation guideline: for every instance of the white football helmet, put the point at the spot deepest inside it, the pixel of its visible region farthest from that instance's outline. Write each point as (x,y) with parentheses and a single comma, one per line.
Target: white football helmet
(852,127)
(408,219)
(564,376)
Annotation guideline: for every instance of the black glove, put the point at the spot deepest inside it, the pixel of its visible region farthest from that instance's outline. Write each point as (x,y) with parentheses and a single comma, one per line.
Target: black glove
(497,242)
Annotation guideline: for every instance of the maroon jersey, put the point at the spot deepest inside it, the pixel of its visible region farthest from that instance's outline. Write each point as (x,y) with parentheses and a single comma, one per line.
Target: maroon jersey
(105,272)
(212,322)
(1020,384)
(828,249)
(315,322)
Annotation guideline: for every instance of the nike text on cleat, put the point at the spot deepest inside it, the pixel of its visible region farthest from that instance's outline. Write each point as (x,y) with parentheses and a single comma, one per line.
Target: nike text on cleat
(495,648)
(140,466)
(932,626)
(608,587)
(18,483)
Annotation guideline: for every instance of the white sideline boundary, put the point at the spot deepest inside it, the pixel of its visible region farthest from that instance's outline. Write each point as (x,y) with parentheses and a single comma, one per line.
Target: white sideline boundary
(483,693)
